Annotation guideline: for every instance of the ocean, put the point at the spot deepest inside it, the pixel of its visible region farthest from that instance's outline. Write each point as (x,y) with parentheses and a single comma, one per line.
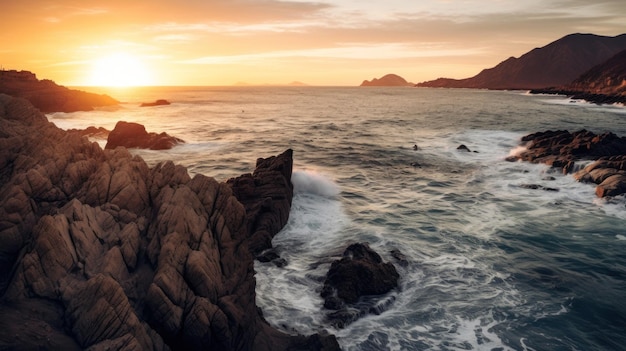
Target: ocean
(493,264)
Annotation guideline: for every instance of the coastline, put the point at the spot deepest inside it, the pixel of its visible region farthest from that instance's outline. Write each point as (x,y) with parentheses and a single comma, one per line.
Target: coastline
(119,254)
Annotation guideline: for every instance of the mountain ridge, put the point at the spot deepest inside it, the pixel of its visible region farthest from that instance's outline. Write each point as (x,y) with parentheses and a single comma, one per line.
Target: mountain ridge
(555,64)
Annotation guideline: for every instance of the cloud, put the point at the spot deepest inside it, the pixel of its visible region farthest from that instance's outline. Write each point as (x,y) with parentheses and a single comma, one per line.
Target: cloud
(355,51)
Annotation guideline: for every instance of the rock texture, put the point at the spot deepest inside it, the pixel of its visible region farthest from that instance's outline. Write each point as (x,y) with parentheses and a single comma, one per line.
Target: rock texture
(48,96)
(266,195)
(389,80)
(361,272)
(602,84)
(562,149)
(98,251)
(555,64)
(134,135)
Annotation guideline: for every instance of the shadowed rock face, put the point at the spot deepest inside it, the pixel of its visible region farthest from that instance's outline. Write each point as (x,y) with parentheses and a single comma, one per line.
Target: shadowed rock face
(48,96)
(134,135)
(99,251)
(360,273)
(562,149)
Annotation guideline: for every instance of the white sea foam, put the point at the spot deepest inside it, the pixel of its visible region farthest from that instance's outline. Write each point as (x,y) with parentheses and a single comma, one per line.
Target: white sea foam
(311,182)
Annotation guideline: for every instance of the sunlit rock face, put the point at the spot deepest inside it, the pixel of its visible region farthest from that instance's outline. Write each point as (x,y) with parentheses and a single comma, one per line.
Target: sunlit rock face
(99,251)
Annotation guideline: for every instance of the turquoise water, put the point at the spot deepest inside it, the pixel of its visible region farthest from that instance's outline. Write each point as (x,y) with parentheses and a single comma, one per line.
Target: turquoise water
(492,265)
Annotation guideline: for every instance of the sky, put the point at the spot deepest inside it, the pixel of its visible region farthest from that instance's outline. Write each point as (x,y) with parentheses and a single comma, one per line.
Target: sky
(317,42)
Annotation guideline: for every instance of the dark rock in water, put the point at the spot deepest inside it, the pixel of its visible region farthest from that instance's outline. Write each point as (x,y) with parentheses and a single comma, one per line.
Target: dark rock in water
(99,251)
(270,255)
(358,274)
(462,147)
(400,257)
(537,187)
(159,102)
(361,271)
(562,149)
(134,135)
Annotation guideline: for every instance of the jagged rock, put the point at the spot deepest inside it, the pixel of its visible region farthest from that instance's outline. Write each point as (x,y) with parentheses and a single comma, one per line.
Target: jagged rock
(121,255)
(562,149)
(266,195)
(359,274)
(361,271)
(134,135)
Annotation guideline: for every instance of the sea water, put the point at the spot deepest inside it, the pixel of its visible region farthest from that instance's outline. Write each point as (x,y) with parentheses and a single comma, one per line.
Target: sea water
(492,265)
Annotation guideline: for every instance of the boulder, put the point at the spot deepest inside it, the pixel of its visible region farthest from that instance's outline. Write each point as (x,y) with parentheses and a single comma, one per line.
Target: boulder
(353,280)
(134,135)
(99,251)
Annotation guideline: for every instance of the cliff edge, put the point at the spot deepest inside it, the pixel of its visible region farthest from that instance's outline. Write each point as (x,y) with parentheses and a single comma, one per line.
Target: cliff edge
(48,96)
(98,251)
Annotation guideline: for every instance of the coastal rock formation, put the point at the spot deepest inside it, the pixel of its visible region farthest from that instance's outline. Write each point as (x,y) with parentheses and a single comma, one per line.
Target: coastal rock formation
(99,251)
(134,135)
(159,102)
(360,272)
(603,84)
(266,195)
(562,149)
(555,64)
(389,80)
(48,96)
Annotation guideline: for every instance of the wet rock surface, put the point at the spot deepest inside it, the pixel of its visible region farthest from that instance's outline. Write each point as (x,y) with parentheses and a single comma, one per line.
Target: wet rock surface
(562,150)
(134,135)
(355,284)
(99,251)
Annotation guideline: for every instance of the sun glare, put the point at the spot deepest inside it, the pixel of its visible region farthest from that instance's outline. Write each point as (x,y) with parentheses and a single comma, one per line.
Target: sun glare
(119,70)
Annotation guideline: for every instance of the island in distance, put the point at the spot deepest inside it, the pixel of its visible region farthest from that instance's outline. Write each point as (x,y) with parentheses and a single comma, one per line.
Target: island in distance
(389,80)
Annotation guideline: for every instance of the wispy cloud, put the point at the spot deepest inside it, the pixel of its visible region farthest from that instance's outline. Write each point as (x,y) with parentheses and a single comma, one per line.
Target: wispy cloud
(348,51)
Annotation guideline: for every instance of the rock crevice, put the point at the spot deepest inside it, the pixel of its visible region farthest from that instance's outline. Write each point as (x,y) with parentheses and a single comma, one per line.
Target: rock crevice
(122,256)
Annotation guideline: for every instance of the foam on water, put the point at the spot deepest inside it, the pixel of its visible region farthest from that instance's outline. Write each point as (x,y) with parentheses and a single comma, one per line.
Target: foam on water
(492,263)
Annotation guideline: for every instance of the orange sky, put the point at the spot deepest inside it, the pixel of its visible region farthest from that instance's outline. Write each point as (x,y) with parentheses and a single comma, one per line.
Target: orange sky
(339,42)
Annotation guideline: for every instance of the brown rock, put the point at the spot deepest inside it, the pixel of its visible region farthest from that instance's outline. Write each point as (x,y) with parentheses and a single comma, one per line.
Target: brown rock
(134,135)
(127,256)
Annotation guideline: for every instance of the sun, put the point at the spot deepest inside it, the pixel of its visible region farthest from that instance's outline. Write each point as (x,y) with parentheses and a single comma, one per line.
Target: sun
(120,70)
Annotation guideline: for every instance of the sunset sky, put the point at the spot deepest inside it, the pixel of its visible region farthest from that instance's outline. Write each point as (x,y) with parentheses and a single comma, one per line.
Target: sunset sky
(324,42)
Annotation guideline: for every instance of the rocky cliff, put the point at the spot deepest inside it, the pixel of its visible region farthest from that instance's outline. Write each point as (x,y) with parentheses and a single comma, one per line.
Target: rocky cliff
(555,64)
(48,96)
(98,251)
(604,83)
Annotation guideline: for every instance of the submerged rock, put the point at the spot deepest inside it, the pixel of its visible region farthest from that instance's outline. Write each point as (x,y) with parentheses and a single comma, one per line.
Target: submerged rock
(159,102)
(134,135)
(116,255)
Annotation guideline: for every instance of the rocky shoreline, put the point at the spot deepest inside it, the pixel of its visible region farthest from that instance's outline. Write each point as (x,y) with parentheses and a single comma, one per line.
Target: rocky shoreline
(562,150)
(100,251)
(595,98)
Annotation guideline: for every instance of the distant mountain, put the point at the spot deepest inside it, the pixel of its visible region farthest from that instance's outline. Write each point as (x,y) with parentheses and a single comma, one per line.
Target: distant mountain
(47,96)
(604,83)
(555,64)
(608,78)
(389,80)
